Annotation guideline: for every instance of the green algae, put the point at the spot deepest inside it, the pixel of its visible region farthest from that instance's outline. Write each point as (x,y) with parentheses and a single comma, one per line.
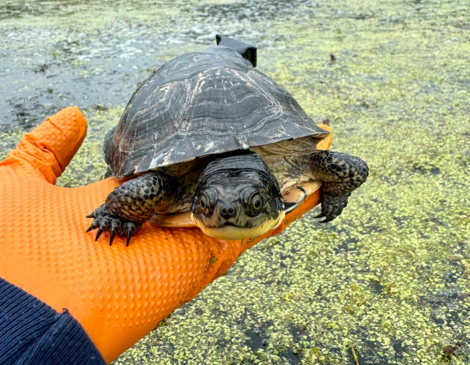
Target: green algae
(76,13)
(390,277)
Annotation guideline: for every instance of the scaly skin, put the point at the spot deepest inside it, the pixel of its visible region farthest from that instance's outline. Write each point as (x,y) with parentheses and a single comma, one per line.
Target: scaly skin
(135,202)
(340,174)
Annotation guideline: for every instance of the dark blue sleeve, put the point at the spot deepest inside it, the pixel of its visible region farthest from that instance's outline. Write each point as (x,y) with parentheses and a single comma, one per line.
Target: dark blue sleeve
(32,333)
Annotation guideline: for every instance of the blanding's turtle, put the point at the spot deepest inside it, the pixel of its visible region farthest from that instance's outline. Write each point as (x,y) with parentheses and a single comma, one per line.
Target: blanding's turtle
(212,140)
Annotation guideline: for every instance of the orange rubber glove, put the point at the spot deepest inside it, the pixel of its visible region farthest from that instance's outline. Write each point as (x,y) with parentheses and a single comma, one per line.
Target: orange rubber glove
(117,294)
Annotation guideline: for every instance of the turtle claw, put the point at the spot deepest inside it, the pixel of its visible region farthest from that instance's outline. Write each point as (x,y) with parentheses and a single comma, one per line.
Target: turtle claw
(132,228)
(98,234)
(115,225)
(111,237)
(115,228)
(322,214)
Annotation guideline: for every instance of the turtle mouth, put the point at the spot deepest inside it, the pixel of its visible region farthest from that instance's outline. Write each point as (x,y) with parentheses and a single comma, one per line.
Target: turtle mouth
(231,231)
(229,224)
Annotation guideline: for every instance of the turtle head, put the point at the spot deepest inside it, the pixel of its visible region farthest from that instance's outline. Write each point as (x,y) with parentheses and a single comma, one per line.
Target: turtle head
(237,203)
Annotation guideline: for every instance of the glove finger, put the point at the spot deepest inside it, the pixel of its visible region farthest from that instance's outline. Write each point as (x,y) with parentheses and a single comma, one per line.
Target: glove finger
(47,150)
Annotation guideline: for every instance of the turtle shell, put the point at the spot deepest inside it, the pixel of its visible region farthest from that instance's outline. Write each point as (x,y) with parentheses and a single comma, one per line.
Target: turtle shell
(199,104)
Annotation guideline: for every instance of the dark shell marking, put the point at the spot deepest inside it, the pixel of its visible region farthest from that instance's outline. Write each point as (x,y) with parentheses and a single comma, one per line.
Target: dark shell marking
(199,104)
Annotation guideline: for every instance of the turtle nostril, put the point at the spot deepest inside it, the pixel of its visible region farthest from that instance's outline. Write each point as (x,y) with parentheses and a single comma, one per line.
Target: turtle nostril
(227,212)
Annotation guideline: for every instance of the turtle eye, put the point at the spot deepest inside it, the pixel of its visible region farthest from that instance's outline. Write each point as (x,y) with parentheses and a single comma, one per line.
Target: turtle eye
(205,205)
(254,204)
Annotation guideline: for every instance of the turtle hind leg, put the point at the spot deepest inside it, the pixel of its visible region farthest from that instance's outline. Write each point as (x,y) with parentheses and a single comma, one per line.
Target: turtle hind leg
(134,202)
(340,174)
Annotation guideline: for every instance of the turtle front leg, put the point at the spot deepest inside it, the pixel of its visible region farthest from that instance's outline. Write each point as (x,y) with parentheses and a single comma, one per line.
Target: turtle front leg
(134,203)
(340,174)
(105,221)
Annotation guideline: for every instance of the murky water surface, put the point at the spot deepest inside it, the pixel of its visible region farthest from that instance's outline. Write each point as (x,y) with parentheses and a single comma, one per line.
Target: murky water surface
(388,281)
(91,53)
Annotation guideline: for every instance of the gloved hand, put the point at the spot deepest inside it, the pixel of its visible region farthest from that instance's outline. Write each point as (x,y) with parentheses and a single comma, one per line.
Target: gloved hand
(117,294)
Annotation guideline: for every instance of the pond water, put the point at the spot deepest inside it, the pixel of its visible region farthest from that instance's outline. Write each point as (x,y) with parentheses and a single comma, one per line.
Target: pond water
(385,283)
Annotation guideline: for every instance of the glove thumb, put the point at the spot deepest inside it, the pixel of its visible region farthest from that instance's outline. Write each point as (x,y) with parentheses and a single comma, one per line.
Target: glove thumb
(47,150)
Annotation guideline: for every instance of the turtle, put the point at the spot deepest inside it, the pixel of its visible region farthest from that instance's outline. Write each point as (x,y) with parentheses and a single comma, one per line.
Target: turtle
(210,141)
